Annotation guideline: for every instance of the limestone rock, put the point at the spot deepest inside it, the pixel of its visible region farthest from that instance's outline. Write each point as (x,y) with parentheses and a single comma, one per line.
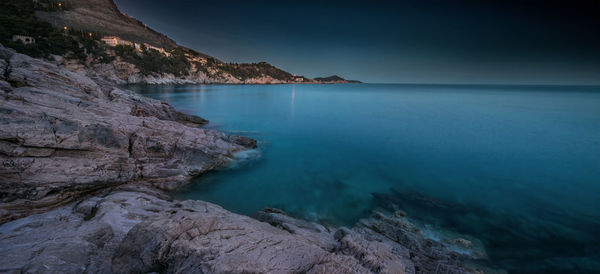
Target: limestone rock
(62,135)
(136,228)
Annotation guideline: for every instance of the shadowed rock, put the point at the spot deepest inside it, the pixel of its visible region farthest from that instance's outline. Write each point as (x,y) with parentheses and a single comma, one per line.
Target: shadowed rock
(243,141)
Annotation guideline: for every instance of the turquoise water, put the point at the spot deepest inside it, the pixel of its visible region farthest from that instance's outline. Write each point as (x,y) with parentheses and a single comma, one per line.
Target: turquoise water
(518,166)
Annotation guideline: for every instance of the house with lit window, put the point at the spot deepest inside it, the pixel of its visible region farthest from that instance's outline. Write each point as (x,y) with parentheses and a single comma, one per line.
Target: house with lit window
(296,78)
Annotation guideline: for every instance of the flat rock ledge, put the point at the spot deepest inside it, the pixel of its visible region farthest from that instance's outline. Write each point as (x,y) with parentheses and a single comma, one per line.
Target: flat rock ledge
(84,171)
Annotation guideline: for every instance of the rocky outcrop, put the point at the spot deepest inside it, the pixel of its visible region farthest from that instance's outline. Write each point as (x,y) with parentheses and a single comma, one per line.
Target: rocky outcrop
(136,228)
(62,135)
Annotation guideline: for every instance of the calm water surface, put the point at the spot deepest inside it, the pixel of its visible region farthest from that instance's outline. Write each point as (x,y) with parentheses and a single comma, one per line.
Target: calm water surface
(518,165)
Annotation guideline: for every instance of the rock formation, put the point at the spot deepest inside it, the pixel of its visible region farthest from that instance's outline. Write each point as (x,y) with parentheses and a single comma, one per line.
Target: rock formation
(136,228)
(63,135)
(84,167)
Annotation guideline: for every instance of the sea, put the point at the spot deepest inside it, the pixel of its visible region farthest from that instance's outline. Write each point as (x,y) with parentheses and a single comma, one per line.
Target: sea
(517,167)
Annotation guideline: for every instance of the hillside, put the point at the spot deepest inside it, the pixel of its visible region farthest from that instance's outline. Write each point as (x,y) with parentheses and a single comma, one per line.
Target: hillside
(103,17)
(69,33)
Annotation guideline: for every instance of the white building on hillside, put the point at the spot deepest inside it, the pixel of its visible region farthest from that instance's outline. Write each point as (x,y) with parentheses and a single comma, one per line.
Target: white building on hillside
(115,41)
(23,39)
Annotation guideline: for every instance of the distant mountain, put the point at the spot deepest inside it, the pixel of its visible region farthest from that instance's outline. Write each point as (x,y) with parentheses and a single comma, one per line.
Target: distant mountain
(334,79)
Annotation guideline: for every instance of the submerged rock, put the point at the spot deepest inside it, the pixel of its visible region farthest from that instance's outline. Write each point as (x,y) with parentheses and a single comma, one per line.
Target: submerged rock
(243,141)
(429,254)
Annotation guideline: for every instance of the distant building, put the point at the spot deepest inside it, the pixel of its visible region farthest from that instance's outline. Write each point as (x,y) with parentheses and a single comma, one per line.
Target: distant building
(297,78)
(23,39)
(115,41)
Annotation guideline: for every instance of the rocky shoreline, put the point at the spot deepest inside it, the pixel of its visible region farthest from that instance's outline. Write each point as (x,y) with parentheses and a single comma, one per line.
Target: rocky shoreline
(85,174)
(120,72)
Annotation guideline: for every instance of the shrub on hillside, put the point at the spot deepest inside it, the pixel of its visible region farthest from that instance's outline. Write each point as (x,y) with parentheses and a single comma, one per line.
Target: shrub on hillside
(18,18)
(150,61)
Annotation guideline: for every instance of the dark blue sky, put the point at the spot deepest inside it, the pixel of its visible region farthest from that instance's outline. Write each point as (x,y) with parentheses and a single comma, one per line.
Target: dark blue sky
(427,41)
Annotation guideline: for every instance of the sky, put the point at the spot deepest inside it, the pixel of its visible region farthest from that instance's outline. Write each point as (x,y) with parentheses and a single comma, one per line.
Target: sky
(419,41)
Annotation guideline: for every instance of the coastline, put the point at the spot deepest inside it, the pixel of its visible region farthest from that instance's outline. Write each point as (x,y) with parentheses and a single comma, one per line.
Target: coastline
(119,72)
(87,170)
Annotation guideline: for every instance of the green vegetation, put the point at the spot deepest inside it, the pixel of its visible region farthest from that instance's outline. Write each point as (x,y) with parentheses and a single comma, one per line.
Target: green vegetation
(150,61)
(17,17)
(332,78)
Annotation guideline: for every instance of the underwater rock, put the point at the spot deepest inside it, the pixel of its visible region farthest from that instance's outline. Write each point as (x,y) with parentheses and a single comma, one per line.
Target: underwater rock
(429,254)
(243,141)
(547,248)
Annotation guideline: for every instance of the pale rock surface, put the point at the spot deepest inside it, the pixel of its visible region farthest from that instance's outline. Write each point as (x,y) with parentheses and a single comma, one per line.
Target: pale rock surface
(136,228)
(63,135)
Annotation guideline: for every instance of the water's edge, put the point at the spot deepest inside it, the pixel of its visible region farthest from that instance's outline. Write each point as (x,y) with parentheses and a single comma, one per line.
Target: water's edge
(528,232)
